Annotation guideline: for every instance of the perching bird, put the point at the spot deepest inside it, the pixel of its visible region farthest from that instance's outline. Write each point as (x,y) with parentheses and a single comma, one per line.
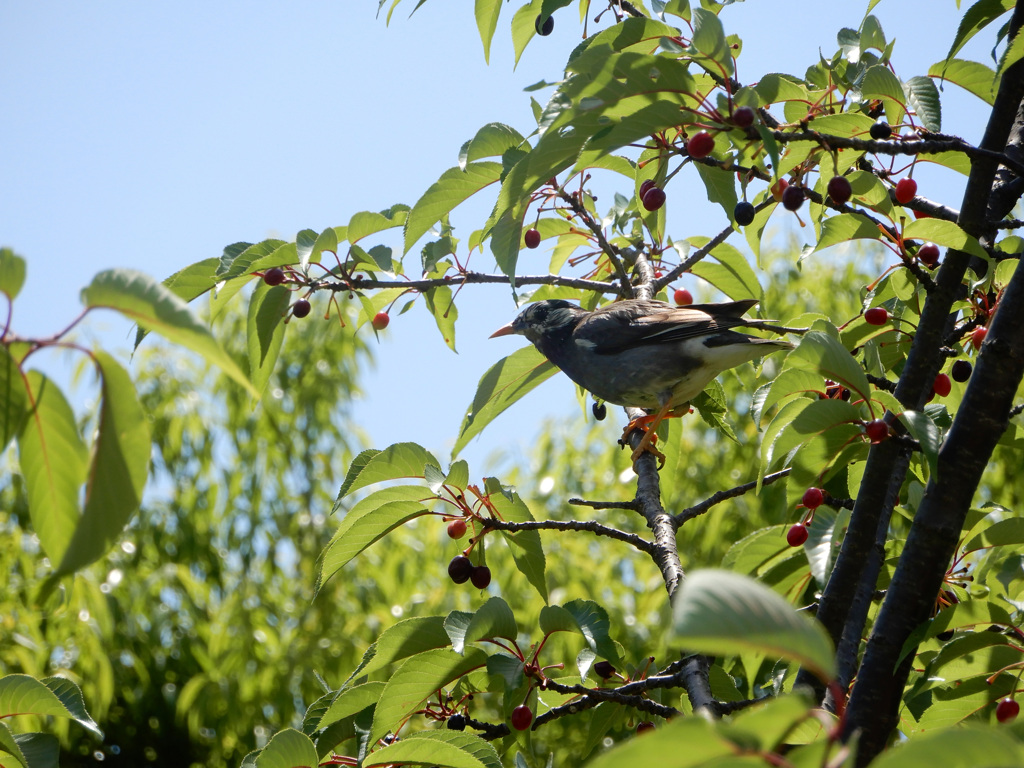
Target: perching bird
(643,353)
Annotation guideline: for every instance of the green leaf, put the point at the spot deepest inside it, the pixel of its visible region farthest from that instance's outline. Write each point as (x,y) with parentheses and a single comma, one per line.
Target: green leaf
(288,749)
(53,461)
(406,638)
(156,308)
(348,702)
(826,355)
(417,679)
(504,383)
(944,233)
(265,326)
(765,727)
(190,283)
(525,545)
(11,744)
(445,749)
(584,617)
(999,534)
(54,696)
(970,746)
(441,305)
(880,83)
(924,430)
(923,97)
(487,21)
(12,273)
(845,227)
(732,275)
(1014,52)
(13,398)
(395,461)
(723,613)
(720,185)
(454,187)
(709,39)
(366,223)
(493,619)
(493,140)
(976,18)
(120,464)
(970,75)
(685,742)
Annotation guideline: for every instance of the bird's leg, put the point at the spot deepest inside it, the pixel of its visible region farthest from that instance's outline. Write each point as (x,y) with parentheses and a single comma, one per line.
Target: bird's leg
(649,424)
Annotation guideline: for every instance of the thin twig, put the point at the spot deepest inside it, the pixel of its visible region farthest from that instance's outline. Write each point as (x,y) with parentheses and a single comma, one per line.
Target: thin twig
(609,250)
(590,526)
(718,497)
(465,278)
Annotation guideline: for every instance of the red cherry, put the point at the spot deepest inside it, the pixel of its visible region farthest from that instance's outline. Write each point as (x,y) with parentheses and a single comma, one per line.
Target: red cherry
(644,186)
(301,308)
(531,238)
(1007,710)
(839,189)
(876,430)
(744,118)
(522,716)
(604,669)
(813,498)
(797,535)
(273,276)
(906,190)
(644,727)
(928,254)
(978,336)
(942,385)
(683,297)
(700,145)
(380,321)
(457,528)
(778,188)
(654,198)
(876,316)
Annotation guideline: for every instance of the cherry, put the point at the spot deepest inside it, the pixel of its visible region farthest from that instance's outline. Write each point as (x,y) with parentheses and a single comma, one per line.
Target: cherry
(700,145)
(644,727)
(531,238)
(743,213)
(654,198)
(456,722)
(778,188)
(928,254)
(604,669)
(600,411)
(961,370)
(460,569)
(813,498)
(522,716)
(682,297)
(645,185)
(876,430)
(793,198)
(978,336)
(743,117)
(544,26)
(1007,710)
(942,387)
(876,316)
(481,577)
(380,321)
(880,131)
(273,276)
(301,308)
(457,528)
(839,189)
(797,535)
(906,190)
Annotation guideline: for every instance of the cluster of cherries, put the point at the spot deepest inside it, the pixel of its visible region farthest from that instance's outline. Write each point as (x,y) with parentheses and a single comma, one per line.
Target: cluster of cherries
(276,276)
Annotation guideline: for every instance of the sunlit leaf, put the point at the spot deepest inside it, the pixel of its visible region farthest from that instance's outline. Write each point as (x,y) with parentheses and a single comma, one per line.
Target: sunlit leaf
(445,749)
(288,749)
(54,696)
(395,461)
(12,273)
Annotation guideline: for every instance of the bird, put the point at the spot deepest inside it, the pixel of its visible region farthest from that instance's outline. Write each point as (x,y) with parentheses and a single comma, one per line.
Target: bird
(643,353)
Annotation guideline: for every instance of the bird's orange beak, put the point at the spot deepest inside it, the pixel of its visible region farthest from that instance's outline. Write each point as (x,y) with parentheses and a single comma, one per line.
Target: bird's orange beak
(505,330)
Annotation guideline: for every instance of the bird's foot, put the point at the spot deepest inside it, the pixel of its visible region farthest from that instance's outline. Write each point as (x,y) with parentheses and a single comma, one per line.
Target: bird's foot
(646,444)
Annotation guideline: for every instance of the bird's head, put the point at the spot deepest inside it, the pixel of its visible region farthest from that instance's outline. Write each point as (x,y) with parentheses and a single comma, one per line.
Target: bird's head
(543,320)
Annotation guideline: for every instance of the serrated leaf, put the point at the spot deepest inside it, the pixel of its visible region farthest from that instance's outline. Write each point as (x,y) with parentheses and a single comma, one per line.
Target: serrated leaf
(12,273)
(288,749)
(1014,52)
(13,398)
(999,534)
(493,140)
(970,746)
(348,702)
(366,223)
(53,461)
(417,679)
(709,39)
(583,617)
(493,619)
(406,638)
(976,18)
(723,613)
(944,233)
(923,429)
(732,274)
(120,465)
(445,749)
(454,186)
(846,227)
(525,546)
(505,382)
(264,328)
(972,76)
(54,696)
(156,308)
(440,304)
(375,466)
(486,12)
(923,97)
(684,742)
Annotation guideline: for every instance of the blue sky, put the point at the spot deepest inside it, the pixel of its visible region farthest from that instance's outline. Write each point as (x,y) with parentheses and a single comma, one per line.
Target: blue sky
(151,135)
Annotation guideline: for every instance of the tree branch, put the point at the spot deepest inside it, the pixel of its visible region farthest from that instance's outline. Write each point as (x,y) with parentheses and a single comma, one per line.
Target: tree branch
(590,526)
(463,278)
(718,497)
